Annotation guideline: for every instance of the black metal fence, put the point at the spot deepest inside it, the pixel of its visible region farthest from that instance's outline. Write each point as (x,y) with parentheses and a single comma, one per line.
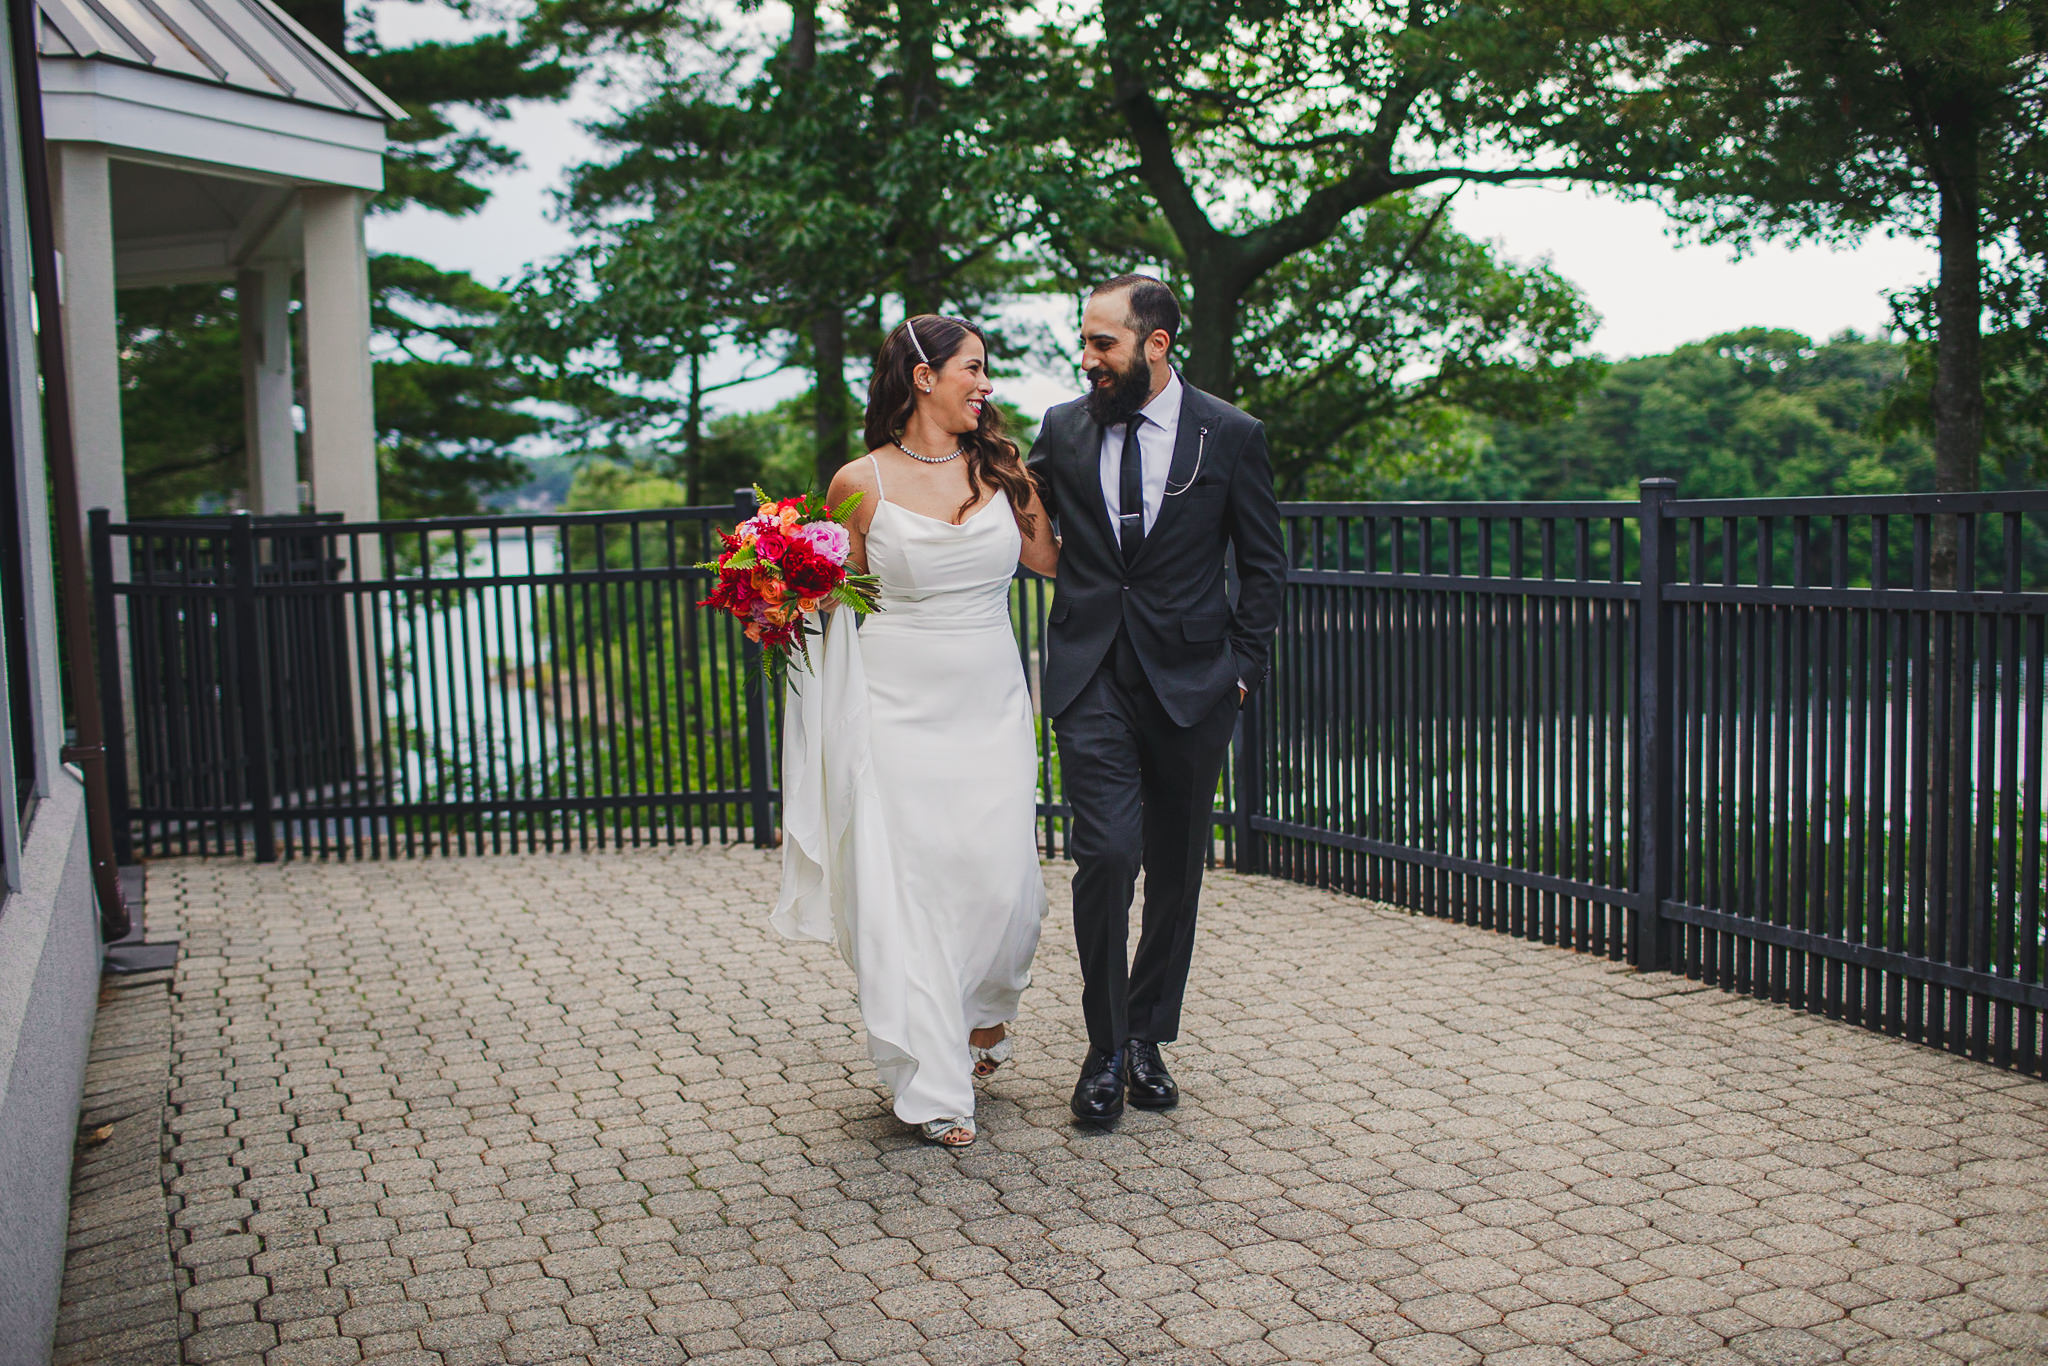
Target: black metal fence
(1791,747)
(442,686)
(438,686)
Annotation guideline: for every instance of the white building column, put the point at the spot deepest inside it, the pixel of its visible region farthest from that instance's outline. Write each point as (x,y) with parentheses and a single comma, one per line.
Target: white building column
(263,297)
(340,421)
(83,210)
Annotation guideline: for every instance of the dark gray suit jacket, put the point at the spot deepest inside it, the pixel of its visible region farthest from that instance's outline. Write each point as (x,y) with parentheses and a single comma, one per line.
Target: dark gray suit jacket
(1193,643)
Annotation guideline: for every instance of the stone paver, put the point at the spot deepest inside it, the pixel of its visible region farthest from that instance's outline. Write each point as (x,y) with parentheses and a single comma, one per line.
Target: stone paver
(573,1107)
(119,1301)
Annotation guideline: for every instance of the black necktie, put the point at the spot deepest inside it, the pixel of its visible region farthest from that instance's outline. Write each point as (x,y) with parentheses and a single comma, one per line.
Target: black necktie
(1130,520)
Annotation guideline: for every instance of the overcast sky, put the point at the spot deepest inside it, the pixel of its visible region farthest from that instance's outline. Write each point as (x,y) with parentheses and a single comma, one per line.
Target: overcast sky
(1652,291)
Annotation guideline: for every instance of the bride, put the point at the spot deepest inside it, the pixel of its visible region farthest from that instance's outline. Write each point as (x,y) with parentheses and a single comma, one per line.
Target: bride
(909,769)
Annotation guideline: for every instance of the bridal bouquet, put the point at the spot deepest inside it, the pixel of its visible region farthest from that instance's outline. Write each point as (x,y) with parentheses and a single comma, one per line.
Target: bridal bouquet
(787,560)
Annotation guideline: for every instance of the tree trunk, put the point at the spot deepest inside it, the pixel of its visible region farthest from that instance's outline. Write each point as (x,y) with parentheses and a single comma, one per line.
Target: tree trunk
(803,37)
(693,434)
(1958,399)
(326,20)
(1211,348)
(917,29)
(830,404)
(826,327)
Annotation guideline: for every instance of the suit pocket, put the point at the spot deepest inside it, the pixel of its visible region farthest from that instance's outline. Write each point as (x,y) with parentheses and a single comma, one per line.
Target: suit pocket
(1058,613)
(1204,627)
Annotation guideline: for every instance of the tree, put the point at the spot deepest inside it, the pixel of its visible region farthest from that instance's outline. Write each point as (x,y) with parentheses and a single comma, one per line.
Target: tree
(1828,120)
(1260,129)
(1346,346)
(1757,413)
(1282,152)
(783,199)
(447,415)
(182,439)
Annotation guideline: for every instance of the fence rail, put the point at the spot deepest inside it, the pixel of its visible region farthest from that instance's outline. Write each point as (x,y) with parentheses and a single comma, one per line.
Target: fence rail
(1791,747)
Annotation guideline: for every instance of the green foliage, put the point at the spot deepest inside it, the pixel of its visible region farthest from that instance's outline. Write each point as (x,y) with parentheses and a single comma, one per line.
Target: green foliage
(543,484)
(613,486)
(787,193)
(608,486)
(1749,414)
(1258,131)
(1757,413)
(448,415)
(771,448)
(1392,313)
(784,197)
(181,398)
(1755,119)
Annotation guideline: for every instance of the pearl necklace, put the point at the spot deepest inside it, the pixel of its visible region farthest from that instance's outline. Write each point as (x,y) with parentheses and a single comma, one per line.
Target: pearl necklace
(928,459)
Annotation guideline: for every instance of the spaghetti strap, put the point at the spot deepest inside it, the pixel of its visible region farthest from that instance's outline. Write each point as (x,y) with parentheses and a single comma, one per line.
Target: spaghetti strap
(881,494)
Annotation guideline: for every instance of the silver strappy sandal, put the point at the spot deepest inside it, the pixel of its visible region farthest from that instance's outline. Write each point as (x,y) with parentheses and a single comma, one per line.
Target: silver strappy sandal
(987,1060)
(948,1133)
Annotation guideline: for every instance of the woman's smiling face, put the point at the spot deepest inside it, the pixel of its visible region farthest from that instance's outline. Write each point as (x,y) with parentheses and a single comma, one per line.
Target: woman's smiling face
(959,389)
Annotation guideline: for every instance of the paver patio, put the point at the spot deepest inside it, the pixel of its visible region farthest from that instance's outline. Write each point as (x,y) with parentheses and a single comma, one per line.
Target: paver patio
(555,1107)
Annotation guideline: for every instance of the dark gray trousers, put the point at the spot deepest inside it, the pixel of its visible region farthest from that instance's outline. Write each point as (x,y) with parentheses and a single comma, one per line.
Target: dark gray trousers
(1142,790)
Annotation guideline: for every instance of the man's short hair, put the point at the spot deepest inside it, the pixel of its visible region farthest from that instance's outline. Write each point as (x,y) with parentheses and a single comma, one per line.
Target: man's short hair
(1152,306)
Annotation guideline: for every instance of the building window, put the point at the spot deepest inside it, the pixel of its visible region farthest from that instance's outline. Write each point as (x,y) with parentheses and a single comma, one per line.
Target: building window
(21,728)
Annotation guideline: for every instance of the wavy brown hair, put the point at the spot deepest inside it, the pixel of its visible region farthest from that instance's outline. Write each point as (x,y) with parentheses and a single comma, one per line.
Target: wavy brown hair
(892,397)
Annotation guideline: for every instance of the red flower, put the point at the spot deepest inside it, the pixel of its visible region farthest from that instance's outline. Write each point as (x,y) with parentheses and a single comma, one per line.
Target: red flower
(770,545)
(734,592)
(808,574)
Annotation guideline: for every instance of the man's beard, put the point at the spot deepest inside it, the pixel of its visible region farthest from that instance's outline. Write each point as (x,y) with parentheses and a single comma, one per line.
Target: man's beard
(1128,392)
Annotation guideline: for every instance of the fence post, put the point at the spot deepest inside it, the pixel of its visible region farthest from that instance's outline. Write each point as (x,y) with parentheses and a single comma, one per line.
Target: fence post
(249,688)
(1651,823)
(1247,763)
(107,646)
(744,505)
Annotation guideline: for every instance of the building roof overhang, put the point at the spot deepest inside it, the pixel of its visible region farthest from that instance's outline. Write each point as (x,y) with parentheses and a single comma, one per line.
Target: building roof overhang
(229,87)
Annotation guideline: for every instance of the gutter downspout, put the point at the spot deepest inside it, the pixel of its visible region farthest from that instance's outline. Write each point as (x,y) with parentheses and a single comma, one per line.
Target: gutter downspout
(90,751)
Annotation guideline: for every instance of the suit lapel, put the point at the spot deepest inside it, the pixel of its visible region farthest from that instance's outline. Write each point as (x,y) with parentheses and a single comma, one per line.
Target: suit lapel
(1187,445)
(1087,440)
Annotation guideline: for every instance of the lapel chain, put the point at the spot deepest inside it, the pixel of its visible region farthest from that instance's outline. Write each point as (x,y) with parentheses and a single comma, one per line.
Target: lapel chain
(1201,444)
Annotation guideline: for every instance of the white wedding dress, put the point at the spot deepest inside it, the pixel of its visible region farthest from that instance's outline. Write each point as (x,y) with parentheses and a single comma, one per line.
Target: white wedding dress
(909,788)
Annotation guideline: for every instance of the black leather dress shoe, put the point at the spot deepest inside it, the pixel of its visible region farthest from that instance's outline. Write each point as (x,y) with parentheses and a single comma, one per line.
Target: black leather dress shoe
(1146,1080)
(1099,1095)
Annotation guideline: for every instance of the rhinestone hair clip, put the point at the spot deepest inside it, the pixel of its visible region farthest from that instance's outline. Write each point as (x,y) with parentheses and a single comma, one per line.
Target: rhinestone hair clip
(918,346)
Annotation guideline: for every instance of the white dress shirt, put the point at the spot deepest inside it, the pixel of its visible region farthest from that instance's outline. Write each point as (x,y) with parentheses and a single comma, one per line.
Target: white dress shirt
(1159,426)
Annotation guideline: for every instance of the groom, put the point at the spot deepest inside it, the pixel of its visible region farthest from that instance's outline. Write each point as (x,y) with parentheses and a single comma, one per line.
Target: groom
(1147,661)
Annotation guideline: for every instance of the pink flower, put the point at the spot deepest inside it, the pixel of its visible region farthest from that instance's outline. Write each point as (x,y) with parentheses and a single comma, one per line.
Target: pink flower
(769,545)
(828,540)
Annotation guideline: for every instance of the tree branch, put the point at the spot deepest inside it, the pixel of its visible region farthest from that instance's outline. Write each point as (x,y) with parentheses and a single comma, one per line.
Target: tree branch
(1342,360)
(1157,166)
